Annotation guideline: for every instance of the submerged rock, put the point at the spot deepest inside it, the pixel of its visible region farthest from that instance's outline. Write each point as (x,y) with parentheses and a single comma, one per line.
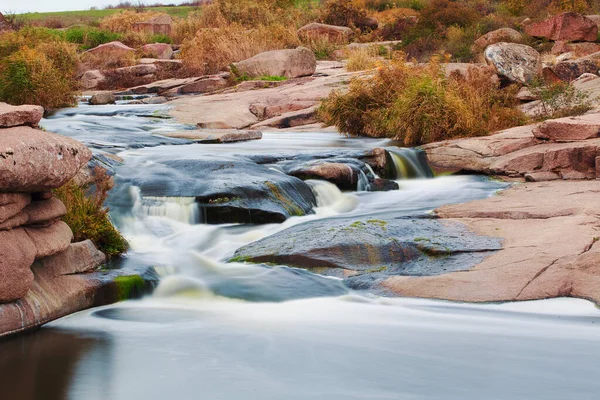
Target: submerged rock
(369,249)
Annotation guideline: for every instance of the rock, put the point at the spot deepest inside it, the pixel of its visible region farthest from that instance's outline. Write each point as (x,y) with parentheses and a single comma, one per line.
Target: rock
(335,34)
(570,27)
(516,62)
(275,107)
(162,51)
(42,212)
(206,85)
(91,79)
(214,125)
(571,128)
(12,204)
(288,120)
(228,191)
(383,185)
(598,167)
(290,63)
(20,115)
(18,254)
(78,258)
(253,85)
(536,262)
(102,98)
(366,23)
(568,71)
(525,95)
(159,25)
(507,35)
(159,62)
(595,18)
(217,135)
(577,49)
(32,160)
(50,240)
(345,176)
(161,86)
(137,70)
(369,249)
(583,78)
(111,48)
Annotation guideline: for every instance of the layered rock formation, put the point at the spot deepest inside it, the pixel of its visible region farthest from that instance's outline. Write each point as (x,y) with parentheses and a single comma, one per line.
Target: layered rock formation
(566,148)
(38,262)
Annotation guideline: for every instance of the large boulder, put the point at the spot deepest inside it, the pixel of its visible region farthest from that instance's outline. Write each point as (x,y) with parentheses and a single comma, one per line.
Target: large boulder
(161,51)
(111,48)
(20,115)
(568,129)
(517,62)
(290,63)
(571,27)
(568,71)
(18,253)
(32,160)
(508,35)
(207,85)
(335,34)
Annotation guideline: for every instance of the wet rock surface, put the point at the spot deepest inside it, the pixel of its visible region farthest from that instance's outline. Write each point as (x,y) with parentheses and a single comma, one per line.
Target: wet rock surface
(367,250)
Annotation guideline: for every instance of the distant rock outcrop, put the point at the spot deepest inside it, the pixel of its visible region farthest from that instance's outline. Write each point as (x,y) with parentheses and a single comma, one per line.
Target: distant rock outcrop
(570,27)
(290,63)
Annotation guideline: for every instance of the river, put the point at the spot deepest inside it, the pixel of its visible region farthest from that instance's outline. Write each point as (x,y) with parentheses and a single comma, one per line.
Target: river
(214,329)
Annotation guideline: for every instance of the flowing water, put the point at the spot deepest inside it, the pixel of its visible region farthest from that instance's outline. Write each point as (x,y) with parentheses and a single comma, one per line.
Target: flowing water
(217,330)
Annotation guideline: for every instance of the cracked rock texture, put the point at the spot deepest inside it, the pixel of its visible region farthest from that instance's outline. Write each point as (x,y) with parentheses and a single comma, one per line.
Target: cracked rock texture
(551,246)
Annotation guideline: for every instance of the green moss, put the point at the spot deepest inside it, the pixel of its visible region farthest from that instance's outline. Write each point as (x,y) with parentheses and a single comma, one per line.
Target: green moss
(292,208)
(378,222)
(357,224)
(238,259)
(129,286)
(421,239)
(375,270)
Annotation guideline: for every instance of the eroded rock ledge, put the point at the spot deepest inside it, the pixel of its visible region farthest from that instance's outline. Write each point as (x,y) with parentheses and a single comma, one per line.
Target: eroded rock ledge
(43,276)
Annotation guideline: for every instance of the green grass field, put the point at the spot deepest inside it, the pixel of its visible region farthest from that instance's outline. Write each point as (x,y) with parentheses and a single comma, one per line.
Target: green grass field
(68,18)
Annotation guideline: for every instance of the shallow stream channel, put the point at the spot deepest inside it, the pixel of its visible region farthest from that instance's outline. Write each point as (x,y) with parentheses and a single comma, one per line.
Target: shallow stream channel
(270,282)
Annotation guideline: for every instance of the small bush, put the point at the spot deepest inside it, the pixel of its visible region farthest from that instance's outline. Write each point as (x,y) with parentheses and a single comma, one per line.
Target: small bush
(343,12)
(362,59)
(124,21)
(37,67)
(87,217)
(88,37)
(559,100)
(419,104)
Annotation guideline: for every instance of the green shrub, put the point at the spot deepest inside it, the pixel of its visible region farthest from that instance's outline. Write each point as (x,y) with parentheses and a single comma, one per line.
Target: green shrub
(419,104)
(87,217)
(558,100)
(88,37)
(343,12)
(160,38)
(37,67)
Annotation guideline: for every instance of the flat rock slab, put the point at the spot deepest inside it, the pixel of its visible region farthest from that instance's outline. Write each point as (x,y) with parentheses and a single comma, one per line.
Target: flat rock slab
(550,249)
(572,128)
(217,135)
(368,250)
(20,115)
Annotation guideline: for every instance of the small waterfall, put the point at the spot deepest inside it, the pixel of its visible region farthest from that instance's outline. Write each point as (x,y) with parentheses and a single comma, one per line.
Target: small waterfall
(363,184)
(330,199)
(182,209)
(409,164)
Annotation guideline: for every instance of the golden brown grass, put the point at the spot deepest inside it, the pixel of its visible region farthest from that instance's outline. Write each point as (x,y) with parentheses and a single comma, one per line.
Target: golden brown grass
(37,67)
(419,104)
(124,21)
(212,50)
(362,58)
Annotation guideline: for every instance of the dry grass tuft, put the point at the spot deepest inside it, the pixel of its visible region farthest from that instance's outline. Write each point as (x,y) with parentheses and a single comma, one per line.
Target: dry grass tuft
(124,21)
(419,104)
(362,59)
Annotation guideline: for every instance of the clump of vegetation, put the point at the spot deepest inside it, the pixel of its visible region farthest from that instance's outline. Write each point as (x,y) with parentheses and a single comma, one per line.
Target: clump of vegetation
(559,100)
(37,67)
(212,50)
(89,37)
(87,217)
(420,104)
(124,21)
(362,58)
